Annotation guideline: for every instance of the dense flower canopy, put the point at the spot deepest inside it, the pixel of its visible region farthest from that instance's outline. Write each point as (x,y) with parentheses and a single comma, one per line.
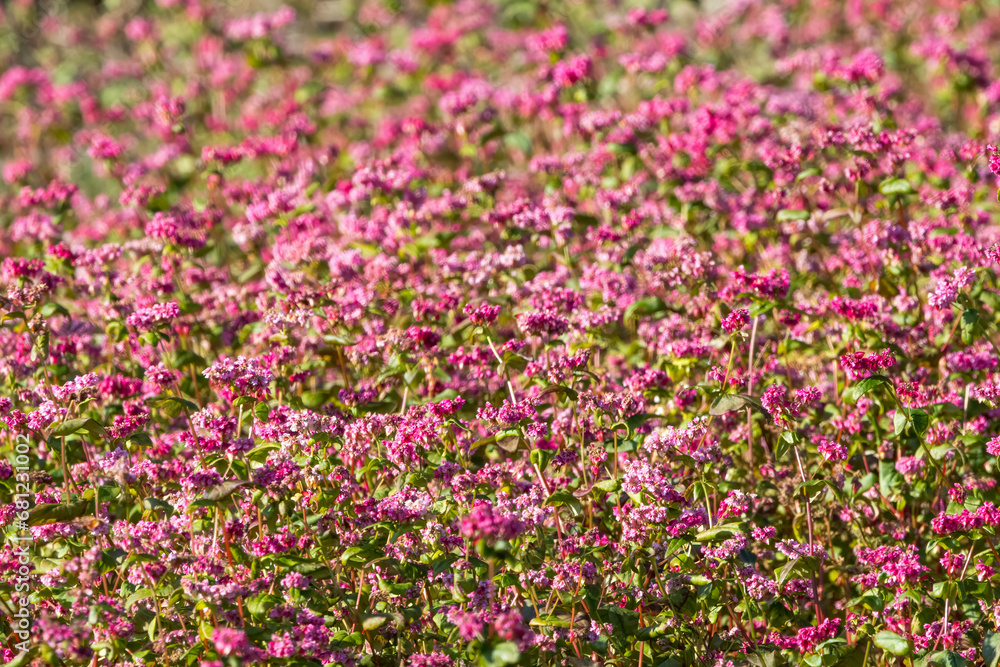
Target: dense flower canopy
(500,332)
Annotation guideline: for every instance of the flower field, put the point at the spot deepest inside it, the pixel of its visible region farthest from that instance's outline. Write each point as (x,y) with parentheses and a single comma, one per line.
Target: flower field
(496,332)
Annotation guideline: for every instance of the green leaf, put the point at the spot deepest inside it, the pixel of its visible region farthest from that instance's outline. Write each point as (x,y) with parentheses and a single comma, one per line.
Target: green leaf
(69,427)
(550,620)
(893,643)
(540,458)
(810,487)
(509,441)
(314,400)
(188,358)
(260,605)
(141,439)
(943,589)
(140,594)
(899,422)
(359,556)
(112,559)
(769,659)
(785,571)
(787,440)
(650,305)
(23,658)
(674,662)
(51,308)
(918,419)
(778,614)
(608,485)
(888,477)
(58,512)
(308,566)
(895,186)
(786,214)
(376,621)
(518,140)
(866,385)
(262,411)
(116,331)
(624,622)
(96,430)
(621,148)
(226,489)
(946,659)
(991,649)
(513,360)
(172,405)
(871,600)
(654,631)
(499,655)
(373,622)
(564,497)
(153,504)
(723,532)
(867,482)
(150,338)
(805,565)
(393,589)
(970,318)
(637,420)
(732,402)
(562,390)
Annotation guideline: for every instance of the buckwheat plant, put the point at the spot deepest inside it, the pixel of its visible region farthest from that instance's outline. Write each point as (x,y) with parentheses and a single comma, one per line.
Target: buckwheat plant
(490,332)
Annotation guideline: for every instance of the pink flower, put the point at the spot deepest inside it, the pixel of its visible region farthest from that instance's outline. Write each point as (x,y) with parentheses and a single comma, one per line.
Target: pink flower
(484,314)
(736,320)
(154,316)
(568,72)
(831,451)
(910,466)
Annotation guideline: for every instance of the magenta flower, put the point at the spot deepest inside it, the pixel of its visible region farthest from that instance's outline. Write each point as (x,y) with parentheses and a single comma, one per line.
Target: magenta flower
(154,316)
(246,377)
(736,320)
(483,315)
(399,342)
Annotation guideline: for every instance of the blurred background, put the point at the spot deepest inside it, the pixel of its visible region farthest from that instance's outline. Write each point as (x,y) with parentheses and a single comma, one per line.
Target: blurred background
(22,22)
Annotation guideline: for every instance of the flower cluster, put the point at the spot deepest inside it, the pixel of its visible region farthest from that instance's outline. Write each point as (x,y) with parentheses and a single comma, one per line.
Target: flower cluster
(148,318)
(481,333)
